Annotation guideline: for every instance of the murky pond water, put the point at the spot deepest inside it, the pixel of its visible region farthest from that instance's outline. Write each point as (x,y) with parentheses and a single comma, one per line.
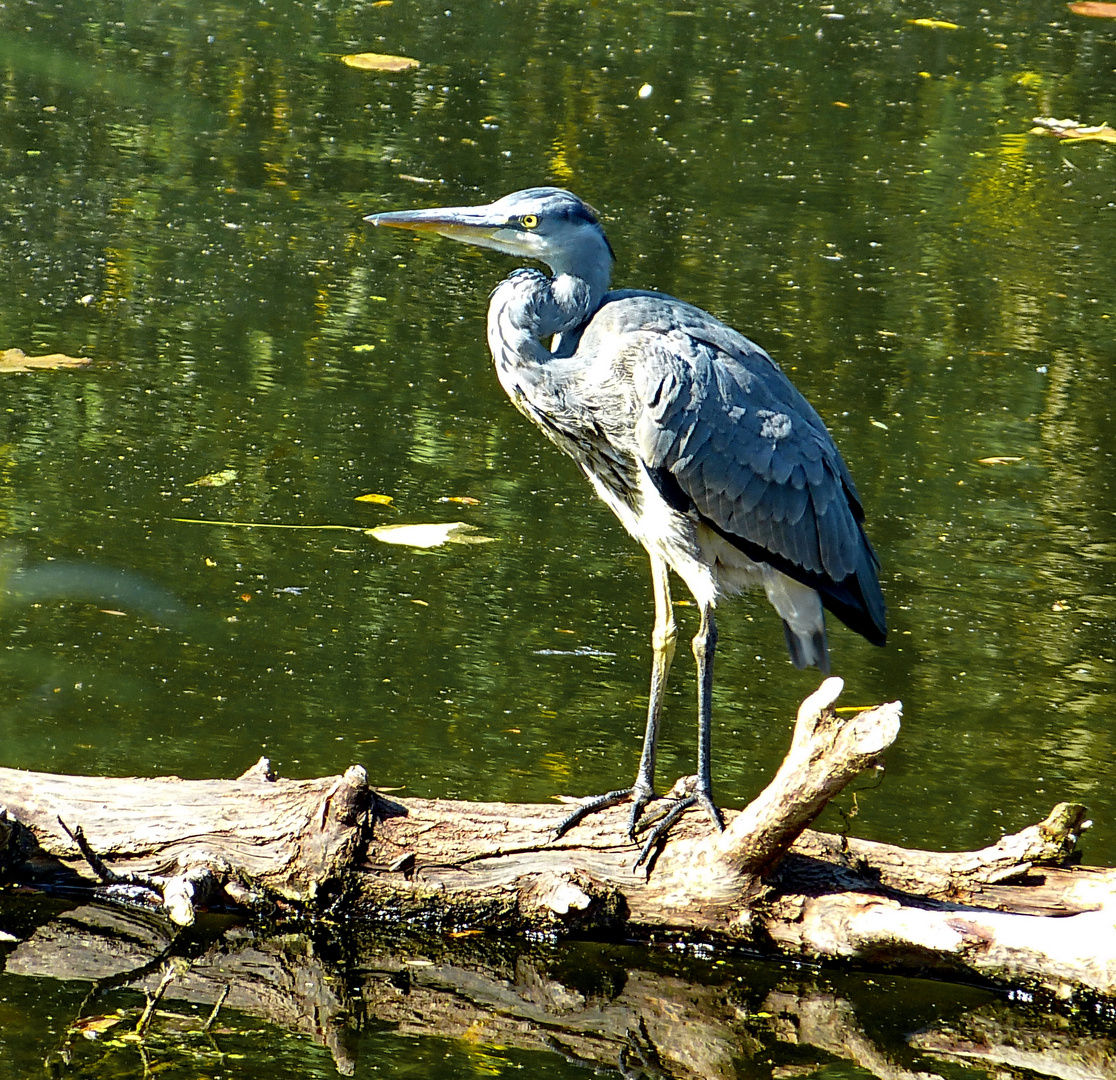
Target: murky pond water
(181,202)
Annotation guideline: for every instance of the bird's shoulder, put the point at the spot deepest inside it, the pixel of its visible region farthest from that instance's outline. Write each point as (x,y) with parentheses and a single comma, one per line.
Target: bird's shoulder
(624,313)
(724,433)
(692,375)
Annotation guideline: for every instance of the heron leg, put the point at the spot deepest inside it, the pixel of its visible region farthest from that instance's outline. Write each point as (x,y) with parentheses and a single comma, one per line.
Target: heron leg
(664,636)
(705,647)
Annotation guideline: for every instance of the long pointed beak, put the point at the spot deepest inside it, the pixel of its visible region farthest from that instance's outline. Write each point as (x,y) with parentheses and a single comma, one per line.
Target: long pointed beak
(472,224)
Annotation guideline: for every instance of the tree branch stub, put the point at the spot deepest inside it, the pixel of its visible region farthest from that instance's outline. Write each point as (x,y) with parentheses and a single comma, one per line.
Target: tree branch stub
(767,879)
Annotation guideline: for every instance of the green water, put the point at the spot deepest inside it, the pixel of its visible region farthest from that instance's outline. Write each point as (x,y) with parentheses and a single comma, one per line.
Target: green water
(181,194)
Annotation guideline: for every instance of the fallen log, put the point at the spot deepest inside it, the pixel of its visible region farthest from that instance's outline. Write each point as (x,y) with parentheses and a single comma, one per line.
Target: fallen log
(1013,913)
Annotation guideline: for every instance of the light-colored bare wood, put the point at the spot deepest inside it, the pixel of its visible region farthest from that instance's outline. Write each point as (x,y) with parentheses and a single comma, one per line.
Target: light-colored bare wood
(765,881)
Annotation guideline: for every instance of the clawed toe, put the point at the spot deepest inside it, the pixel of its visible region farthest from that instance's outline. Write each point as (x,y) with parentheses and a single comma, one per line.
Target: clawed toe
(591,806)
(710,807)
(651,827)
(660,825)
(666,813)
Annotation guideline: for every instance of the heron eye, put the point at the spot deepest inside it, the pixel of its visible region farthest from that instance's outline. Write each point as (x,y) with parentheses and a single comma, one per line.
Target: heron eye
(529,221)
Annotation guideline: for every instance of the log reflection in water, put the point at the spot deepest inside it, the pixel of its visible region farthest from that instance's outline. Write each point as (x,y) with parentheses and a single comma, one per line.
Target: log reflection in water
(635,1011)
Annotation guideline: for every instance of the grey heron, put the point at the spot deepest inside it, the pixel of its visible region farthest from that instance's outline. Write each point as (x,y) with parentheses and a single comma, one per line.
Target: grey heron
(693,437)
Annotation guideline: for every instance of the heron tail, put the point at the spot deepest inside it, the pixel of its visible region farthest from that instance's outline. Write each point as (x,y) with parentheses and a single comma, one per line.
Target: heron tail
(807,650)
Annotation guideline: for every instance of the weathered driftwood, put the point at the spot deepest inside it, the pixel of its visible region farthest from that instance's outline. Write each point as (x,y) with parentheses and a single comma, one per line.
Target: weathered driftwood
(764,882)
(601,1010)
(256,838)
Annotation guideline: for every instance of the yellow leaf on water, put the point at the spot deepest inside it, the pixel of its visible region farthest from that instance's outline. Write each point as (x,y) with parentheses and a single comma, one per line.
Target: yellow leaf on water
(18,360)
(370,61)
(380,500)
(429,535)
(1094,8)
(215,479)
(998,460)
(934,24)
(92,1026)
(1072,130)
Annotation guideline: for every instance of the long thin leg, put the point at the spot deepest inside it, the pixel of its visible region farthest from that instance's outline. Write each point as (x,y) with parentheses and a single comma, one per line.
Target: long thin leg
(664,636)
(705,647)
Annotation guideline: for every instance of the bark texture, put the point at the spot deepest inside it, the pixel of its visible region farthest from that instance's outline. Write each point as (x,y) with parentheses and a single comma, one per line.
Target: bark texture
(1012,913)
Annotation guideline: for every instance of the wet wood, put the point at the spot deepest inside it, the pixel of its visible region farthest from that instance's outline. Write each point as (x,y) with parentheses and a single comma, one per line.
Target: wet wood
(599,1012)
(1011,913)
(257,837)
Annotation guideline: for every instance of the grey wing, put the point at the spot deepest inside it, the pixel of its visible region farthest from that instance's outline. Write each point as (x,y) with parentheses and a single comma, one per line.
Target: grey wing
(725,435)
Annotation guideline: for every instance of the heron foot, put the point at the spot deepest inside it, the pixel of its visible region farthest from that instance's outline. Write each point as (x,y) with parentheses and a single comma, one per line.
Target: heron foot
(591,806)
(685,794)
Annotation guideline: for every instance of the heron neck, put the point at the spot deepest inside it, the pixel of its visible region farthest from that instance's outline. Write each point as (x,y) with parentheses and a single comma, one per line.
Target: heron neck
(575,299)
(528,308)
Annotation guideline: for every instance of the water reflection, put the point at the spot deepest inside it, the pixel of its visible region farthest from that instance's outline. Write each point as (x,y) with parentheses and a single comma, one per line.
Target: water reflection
(856,194)
(403,1003)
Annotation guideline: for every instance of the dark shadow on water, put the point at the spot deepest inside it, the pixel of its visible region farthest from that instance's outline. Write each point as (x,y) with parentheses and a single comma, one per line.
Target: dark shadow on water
(350,998)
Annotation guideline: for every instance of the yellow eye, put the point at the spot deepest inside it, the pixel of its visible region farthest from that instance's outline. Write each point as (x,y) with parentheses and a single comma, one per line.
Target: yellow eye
(529,221)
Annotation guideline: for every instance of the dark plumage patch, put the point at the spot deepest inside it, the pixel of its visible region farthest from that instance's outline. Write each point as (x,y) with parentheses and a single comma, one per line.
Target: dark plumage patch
(845,598)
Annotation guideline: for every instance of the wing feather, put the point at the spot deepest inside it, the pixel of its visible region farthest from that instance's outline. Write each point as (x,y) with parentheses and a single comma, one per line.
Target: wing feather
(719,421)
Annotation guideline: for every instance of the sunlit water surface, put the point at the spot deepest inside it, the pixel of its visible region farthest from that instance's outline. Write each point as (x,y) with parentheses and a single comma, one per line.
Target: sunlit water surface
(181,202)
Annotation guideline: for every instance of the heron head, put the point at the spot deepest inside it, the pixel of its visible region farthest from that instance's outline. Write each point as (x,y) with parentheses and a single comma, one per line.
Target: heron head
(549,224)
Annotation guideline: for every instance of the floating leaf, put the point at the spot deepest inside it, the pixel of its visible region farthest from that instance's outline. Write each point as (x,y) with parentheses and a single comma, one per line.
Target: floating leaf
(1097,10)
(370,61)
(934,24)
(1072,131)
(92,1026)
(998,460)
(379,500)
(215,479)
(429,535)
(18,360)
